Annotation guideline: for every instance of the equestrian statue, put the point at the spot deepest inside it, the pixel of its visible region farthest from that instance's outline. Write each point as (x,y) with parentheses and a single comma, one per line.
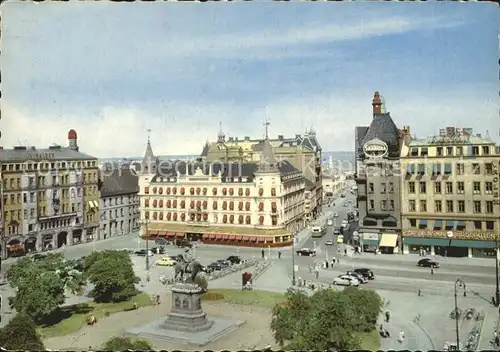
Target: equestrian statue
(187,265)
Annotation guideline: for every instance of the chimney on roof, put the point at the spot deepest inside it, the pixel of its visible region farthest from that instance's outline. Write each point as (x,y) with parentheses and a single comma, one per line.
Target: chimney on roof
(247,138)
(377,104)
(280,137)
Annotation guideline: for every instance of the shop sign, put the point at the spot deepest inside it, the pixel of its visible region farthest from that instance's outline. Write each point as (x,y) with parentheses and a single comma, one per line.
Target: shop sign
(375,148)
(370,236)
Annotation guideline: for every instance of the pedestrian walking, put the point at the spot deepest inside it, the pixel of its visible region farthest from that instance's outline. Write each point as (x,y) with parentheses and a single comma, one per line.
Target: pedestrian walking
(262,254)
(401,336)
(432,271)
(316,272)
(279,254)
(387,316)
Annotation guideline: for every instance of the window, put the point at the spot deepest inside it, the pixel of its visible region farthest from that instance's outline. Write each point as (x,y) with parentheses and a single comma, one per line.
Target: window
(448,168)
(476,169)
(489,207)
(423,206)
(488,187)
(372,204)
(414,152)
(475,150)
(423,188)
(25,198)
(439,151)
(460,187)
(449,151)
(411,187)
(438,206)
(413,222)
(383,188)
(486,150)
(478,225)
(421,169)
(383,204)
(412,206)
(476,188)
(460,168)
(424,151)
(461,206)
(370,187)
(449,206)
(460,151)
(391,204)
(488,169)
(477,206)
(490,225)
(391,187)
(449,188)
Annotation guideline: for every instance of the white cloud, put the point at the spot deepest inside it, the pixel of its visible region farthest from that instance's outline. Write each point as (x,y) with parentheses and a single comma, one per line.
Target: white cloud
(121,131)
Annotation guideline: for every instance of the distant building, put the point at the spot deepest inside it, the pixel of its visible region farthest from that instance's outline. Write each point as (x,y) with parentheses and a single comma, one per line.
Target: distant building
(120,213)
(302,151)
(258,203)
(451,197)
(49,197)
(377,177)
(333,184)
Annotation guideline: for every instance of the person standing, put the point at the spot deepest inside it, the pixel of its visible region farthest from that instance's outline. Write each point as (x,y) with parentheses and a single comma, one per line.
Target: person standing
(262,253)
(279,254)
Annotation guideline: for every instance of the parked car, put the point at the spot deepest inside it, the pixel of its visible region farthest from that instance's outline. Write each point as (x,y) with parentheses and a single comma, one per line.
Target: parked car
(329,222)
(366,273)
(143,253)
(161,242)
(336,232)
(234,259)
(345,280)
(329,243)
(360,277)
(158,250)
(346,204)
(214,266)
(336,214)
(306,252)
(342,195)
(428,263)
(224,263)
(165,261)
(181,242)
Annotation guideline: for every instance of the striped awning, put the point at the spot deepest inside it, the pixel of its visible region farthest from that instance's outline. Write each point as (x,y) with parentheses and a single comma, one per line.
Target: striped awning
(153,232)
(238,238)
(389,240)
(179,234)
(162,233)
(231,237)
(213,236)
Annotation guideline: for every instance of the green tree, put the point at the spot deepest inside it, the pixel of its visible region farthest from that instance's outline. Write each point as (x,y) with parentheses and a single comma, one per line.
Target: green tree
(20,334)
(126,343)
(112,274)
(327,320)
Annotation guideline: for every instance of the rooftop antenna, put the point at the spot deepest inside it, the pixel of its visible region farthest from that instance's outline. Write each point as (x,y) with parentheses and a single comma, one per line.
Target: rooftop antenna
(266,126)
(149,135)
(487,135)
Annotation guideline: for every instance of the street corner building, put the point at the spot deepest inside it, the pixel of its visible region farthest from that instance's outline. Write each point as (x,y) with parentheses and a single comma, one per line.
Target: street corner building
(450,191)
(119,207)
(247,203)
(303,151)
(377,150)
(50,197)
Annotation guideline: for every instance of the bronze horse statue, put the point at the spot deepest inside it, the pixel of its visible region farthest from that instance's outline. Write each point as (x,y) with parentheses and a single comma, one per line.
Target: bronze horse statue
(192,267)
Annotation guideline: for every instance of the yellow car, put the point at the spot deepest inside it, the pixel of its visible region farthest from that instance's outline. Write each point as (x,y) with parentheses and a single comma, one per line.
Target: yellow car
(165,261)
(340,239)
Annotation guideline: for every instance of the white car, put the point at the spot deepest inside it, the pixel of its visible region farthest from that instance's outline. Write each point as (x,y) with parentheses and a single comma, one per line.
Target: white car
(346,280)
(329,243)
(336,214)
(357,276)
(329,222)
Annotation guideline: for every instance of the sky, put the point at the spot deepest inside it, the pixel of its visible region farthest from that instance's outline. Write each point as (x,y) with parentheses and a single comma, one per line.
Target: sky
(111,71)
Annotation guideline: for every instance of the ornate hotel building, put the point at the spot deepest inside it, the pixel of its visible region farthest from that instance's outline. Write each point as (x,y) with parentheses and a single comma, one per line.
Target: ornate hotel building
(257,204)
(302,151)
(49,197)
(450,191)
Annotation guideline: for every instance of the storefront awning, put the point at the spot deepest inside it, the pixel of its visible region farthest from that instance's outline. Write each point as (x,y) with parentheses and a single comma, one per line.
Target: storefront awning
(423,222)
(213,236)
(450,223)
(252,238)
(269,239)
(388,240)
(438,224)
(162,233)
(180,234)
(261,239)
(460,223)
(206,236)
(225,237)
(219,237)
(231,237)
(153,232)
(238,238)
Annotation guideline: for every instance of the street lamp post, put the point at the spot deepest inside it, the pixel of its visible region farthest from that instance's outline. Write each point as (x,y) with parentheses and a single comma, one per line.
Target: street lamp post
(293,260)
(458,283)
(450,235)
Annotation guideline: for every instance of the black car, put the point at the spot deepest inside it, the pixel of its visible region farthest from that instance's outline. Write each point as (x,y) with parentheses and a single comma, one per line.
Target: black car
(158,250)
(161,242)
(141,252)
(234,259)
(367,273)
(428,263)
(224,263)
(214,266)
(306,252)
(183,243)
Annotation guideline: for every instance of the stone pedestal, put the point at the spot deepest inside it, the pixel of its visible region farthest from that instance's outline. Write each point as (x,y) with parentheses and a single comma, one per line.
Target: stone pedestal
(186,323)
(187,314)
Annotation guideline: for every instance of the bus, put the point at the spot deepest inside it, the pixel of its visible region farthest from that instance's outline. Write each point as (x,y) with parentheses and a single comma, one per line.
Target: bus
(318,231)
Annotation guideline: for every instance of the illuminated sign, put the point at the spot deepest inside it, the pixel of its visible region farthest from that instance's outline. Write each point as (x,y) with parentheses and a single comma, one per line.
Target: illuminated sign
(375,148)
(40,156)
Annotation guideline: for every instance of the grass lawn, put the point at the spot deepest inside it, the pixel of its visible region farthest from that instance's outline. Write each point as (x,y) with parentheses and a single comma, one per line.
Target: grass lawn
(258,298)
(73,318)
(370,340)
